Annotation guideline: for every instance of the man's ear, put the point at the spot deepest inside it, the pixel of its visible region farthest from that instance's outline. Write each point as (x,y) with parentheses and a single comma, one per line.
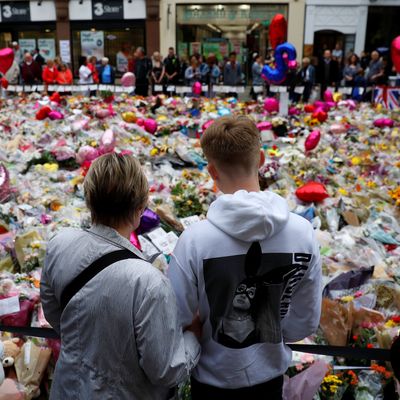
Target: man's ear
(212,171)
(262,158)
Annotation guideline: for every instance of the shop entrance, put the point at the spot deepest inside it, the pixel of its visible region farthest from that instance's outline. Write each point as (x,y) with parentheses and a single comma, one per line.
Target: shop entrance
(222,28)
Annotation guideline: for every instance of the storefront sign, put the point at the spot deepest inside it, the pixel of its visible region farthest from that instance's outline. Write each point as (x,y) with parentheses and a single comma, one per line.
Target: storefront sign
(241,14)
(108,9)
(27,45)
(47,48)
(15,11)
(92,43)
(65,51)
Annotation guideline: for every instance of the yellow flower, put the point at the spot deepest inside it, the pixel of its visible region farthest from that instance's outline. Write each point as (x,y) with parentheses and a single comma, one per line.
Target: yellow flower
(189,202)
(343,192)
(347,299)
(356,160)
(390,324)
(50,167)
(93,143)
(77,180)
(154,152)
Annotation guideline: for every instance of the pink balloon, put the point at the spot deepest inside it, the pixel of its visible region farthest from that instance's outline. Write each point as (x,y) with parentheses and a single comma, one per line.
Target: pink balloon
(55,115)
(6,59)
(264,126)
(271,105)
(329,105)
(383,122)
(207,124)
(86,153)
(292,64)
(328,96)
(196,89)
(107,141)
(312,140)
(150,125)
(395,53)
(128,79)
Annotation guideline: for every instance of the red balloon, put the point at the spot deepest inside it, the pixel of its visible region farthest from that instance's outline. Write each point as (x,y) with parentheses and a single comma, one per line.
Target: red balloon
(312,192)
(277,30)
(320,115)
(312,140)
(309,108)
(6,59)
(43,113)
(395,53)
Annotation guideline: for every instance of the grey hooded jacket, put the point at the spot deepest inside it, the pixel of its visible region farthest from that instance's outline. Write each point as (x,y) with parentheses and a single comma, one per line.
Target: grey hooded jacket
(120,335)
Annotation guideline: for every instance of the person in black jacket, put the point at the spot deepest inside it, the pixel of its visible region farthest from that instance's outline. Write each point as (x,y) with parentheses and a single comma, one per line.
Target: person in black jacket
(143,68)
(38,57)
(327,72)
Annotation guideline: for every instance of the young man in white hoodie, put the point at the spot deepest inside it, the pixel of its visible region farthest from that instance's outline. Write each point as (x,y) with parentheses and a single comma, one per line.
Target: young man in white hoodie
(251,270)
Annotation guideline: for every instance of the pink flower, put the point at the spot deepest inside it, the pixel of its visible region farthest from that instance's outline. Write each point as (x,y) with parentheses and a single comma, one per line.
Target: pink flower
(299,367)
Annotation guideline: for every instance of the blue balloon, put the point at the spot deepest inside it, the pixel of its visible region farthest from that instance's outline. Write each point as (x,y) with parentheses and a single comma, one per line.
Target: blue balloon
(278,74)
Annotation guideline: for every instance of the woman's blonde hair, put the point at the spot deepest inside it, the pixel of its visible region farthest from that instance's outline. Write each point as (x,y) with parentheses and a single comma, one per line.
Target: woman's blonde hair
(115,189)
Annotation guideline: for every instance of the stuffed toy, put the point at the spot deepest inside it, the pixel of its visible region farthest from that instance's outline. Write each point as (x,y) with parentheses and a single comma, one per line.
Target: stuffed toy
(9,351)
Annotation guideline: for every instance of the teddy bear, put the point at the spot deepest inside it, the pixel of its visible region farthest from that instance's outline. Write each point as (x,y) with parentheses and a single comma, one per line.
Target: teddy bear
(9,350)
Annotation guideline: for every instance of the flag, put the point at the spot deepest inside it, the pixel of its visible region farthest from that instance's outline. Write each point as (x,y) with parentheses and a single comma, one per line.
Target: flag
(388,97)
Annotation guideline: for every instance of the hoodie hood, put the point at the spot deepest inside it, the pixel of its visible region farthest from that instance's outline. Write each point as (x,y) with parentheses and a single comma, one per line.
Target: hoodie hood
(250,217)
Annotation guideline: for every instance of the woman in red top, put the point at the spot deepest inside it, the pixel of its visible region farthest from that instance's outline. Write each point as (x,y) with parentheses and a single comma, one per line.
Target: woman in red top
(50,73)
(64,76)
(92,66)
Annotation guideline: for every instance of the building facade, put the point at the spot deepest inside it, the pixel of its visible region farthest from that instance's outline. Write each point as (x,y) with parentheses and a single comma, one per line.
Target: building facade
(208,26)
(356,24)
(74,28)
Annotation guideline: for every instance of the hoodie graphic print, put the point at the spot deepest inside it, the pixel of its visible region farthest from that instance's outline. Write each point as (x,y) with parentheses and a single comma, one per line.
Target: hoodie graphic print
(252,271)
(249,295)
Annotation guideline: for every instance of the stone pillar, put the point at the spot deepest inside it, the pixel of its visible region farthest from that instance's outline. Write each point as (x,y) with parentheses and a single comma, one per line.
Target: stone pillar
(63,29)
(152,26)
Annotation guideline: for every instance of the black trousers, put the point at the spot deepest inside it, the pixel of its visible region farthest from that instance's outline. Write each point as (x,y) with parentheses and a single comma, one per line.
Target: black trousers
(271,390)
(142,88)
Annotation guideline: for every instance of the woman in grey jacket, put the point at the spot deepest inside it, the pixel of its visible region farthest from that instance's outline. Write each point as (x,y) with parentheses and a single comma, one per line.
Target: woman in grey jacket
(119,327)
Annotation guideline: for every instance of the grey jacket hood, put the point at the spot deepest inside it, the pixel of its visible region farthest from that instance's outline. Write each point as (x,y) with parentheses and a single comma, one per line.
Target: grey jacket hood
(249,217)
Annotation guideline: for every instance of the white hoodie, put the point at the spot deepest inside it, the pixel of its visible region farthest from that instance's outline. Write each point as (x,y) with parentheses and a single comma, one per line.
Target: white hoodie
(253,272)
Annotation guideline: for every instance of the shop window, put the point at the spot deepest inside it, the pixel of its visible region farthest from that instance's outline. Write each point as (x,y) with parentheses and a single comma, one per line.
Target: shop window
(114,41)
(221,28)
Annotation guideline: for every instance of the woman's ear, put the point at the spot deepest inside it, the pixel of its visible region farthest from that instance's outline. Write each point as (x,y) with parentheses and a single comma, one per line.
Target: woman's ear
(262,158)
(212,171)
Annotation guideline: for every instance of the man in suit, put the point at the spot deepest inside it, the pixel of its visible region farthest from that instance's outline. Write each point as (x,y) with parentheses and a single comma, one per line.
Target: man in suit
(38,57)
(328,72)
(307,78)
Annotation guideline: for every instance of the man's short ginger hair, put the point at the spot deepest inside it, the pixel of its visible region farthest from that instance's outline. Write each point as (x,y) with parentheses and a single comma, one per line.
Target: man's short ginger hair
(115,189)
(233,142)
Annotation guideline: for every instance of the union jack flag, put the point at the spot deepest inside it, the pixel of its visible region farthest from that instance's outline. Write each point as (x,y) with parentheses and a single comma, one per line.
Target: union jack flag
(388,97)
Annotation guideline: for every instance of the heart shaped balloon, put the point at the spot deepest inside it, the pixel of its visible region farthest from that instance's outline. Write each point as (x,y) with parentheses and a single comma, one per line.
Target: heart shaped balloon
(312,192)
(312,140)
(6,59)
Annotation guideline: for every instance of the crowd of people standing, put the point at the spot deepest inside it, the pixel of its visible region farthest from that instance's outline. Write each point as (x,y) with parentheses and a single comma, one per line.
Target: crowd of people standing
(334,69)
(157,75)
